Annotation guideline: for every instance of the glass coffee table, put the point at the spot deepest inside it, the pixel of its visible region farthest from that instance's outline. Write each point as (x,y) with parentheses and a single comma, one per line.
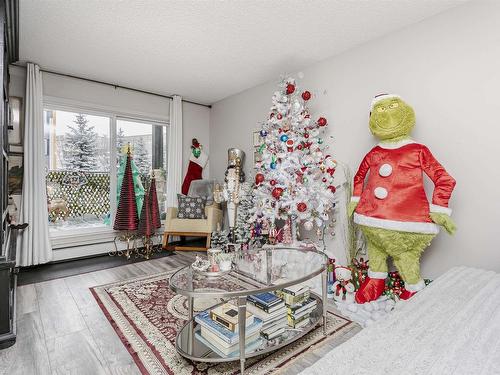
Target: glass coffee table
(253,272)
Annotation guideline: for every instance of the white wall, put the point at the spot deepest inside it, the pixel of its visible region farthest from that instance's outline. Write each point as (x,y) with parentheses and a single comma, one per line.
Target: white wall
(447,67)
(126,102)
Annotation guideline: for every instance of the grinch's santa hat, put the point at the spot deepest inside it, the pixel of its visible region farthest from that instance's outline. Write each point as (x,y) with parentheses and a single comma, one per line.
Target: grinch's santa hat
(380,97)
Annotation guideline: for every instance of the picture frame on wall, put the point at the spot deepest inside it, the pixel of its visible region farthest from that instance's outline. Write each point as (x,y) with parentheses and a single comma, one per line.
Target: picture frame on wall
(15,121)
(257,139)
(257,156)
(16,170)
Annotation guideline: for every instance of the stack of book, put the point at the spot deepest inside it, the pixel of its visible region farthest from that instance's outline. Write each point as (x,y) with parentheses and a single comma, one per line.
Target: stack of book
(219,330)
(299,305)
(271,310)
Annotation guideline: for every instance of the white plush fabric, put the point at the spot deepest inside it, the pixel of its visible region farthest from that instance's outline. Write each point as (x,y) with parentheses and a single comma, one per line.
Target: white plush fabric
(450,327)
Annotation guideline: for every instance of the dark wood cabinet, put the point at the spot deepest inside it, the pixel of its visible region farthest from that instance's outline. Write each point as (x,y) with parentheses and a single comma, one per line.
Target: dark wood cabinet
(8,233)
(8,284)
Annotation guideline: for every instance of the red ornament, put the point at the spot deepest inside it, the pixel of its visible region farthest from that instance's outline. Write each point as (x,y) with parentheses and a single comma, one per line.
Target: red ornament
(332,188)
(330,171)
(324,179)
(322,121)
(277,192)
(259,178)
(306,95)
(272,182)
(301,207)
(279,116)
(299,147)
(306,135)
(290,88)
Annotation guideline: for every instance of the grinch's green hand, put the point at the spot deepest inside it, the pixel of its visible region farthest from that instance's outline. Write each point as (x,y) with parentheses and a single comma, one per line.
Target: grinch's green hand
(444,221)
(351,207)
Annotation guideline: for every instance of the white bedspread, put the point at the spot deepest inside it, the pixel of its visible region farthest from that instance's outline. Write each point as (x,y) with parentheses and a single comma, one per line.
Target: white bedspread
(451,327)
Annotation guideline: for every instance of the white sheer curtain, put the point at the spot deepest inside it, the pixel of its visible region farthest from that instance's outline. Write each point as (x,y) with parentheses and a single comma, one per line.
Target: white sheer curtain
(34,245)
(174,172)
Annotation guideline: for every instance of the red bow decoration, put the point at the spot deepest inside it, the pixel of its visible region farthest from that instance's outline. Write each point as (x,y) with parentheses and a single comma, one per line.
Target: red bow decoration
(341,286)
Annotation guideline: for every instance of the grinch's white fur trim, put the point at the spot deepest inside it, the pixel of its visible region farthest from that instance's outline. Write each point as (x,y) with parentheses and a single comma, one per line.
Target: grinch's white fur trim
(397,144)
(377,275)
(402,226)
(378,98)
(415,287)
(201,160)
(355,199)
(440,209)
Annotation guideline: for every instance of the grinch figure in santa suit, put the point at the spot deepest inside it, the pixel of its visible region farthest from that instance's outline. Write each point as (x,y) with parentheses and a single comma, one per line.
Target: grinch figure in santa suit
(392,209)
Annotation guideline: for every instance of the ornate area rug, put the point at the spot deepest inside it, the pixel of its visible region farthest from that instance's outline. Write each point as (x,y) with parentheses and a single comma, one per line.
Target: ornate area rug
(147,315)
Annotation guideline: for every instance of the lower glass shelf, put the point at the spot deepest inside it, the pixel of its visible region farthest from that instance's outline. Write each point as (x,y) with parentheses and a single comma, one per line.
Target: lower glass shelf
(189,344)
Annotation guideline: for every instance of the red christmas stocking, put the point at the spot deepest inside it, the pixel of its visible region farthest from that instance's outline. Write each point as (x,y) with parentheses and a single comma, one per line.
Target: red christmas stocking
(194,171)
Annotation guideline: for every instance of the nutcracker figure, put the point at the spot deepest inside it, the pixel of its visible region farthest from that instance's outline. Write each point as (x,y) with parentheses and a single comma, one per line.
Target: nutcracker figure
(231,190)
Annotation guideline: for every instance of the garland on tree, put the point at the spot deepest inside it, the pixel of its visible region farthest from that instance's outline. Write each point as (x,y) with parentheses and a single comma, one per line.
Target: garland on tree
(295,177)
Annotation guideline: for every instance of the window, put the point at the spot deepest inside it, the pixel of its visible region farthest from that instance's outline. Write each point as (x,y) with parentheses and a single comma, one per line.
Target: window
(148,144)
(77,156)
(80,172)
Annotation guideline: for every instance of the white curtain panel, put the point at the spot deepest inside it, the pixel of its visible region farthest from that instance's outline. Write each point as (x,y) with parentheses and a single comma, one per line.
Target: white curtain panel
(174,173)
(34,245)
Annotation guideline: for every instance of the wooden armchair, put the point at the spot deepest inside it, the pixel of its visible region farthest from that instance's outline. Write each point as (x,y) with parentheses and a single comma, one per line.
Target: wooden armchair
(191,227)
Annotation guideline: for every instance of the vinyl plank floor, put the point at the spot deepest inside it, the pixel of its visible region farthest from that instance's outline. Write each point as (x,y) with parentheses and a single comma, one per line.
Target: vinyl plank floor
(76,353)
(26,300)
(29,355)
(57,270)
(62,330)
(60,316)
(117,357)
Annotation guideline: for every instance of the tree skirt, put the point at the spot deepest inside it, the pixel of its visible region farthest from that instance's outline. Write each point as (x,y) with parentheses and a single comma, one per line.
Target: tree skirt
(147,315)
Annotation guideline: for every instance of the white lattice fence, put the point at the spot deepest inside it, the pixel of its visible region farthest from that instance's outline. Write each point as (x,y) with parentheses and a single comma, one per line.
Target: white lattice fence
(74,194)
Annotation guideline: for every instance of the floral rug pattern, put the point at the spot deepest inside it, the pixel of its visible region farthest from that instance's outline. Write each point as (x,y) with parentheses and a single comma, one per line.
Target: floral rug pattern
(146,314)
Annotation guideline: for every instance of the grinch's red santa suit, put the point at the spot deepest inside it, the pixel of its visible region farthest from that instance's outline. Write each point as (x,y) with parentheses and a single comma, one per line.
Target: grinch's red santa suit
(394,196)
(392,209)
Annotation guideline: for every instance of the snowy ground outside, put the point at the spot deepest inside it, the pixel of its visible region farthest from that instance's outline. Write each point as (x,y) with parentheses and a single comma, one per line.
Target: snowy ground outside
(70,224)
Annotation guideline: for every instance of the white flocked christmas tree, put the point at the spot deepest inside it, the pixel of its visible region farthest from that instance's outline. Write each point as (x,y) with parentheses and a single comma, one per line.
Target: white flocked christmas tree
(219,239)
(295,177)
(244,214)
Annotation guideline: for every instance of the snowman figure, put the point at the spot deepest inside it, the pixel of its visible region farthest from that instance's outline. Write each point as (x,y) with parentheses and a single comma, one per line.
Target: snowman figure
(343,288)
